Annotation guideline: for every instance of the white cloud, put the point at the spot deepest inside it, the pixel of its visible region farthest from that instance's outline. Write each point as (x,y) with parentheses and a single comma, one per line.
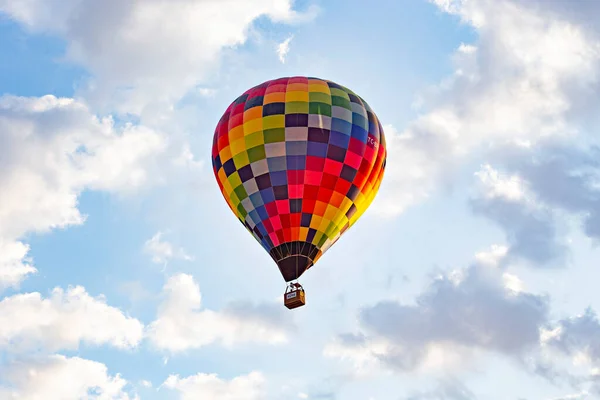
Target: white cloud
(494,184)
(530,227)
(14,263)
(63,321)
(181,323)
(211,387)
(145,55)
(283,49)
(447,389)
(58,377)
(51,149)
(526,80)
(162,251)
(145,383)
(457,315)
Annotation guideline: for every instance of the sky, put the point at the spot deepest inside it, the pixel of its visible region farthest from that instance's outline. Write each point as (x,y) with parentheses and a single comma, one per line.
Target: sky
(473,275)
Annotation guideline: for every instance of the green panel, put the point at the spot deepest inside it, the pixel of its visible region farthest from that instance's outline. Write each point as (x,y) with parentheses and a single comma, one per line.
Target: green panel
(296,107)
(274,135)
(319,97)
(341,102)
(234,179)
(339,93)
(322,241)
(274,121)
(240,160)
(240,191)
(258,152)
(320,109)
(242,211)
(255,139)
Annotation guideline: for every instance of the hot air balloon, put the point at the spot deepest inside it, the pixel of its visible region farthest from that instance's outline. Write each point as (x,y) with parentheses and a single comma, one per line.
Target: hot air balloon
(298,160)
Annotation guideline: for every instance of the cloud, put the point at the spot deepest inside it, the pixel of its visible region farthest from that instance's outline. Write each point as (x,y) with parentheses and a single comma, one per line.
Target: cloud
(181,324)
(54,148)
(211,387)
(562,176)
(14,263)
(530,227)
(51,150)
(162,251)
(459,313)
(578,336)
(283,49)
(63,321)
(60,377)
(447,389)
(145,55)
(527,79)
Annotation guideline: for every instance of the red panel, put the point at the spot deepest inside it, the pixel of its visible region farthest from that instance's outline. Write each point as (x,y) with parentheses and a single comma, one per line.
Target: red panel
(325,194)
(285,221)
(333,167)
(353,160)
(268,226)
(315,163)
(308,206)
(295,191)
(311,192)
(295,219)
(356,146)
(276,222)
(313,178)
(271,209)
(342,186)
(298,79)
(274,88)
(295,177)
(236,120)
(280,236)
(329,181)
(283,207)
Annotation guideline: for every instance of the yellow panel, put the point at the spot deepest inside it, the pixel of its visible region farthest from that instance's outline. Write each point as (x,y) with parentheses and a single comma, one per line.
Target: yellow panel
(339,218)
(227,187)
(316,239)
(303,234)
(274,121)
(236,133)
(318,88)
(331,212)
(252,126)
(315,221)
(346,204)
(238,146)
(296,96)
(323,225)
(225,154)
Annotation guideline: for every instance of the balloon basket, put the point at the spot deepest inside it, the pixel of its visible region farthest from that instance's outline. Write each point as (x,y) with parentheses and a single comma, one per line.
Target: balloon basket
(294,296)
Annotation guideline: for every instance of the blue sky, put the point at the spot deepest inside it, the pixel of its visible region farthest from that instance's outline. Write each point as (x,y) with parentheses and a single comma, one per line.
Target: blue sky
(123,274)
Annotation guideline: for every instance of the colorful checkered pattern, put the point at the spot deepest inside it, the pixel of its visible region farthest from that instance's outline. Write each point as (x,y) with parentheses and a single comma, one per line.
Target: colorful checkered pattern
(298,160)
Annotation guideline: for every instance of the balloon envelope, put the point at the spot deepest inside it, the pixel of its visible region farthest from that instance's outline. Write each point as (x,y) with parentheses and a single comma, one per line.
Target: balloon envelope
(298,161)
